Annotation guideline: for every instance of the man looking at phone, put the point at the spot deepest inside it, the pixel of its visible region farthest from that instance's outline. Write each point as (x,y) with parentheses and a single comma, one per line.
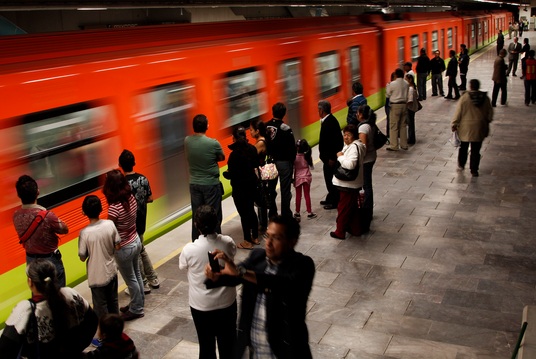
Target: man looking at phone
(213,310)
(276,282)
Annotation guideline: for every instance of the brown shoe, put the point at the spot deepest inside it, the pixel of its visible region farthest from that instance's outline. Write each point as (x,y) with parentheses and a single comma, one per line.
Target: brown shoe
(131,316)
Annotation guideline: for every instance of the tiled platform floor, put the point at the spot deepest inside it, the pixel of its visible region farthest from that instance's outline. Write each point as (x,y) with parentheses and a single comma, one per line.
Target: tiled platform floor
(445,272)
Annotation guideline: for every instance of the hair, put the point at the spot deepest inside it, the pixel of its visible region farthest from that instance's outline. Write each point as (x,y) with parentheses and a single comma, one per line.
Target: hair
(42,272)
(423,51)
(279,110)
(474,84)
(325,106)
(259,125)
(526,40)
(27,189)
(368,114)
(206,219)
(357,88)
(393,75)
(503,51)
(409,64)
(127,161)
(399,73)
(303,147)
(111,325)
(292,227)
(411,80)
(452,53)
(92,206)
(116,189)
(463,46)
(200,123)
(239,134)
(352,129)
(437,52)
(532,53)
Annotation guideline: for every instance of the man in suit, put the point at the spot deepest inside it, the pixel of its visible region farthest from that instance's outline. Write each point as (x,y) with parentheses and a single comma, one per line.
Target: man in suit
(463,63)
(329,143)
(499,79)
(452,72)
(513,56)
(276,283)
(423,69)
(500,42)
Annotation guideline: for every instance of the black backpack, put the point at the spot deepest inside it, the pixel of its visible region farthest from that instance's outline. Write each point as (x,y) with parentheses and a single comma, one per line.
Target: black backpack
(378,138)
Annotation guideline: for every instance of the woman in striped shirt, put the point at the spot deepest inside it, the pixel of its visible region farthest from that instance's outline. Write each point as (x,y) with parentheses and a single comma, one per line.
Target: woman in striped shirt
(122,211)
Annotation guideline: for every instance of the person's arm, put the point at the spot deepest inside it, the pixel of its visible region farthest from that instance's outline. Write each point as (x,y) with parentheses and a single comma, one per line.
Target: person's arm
(57,225)
(82,248)
(9,346)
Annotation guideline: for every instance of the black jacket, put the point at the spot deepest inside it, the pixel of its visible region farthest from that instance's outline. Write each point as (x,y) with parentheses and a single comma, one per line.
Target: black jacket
(241,165)
(423,65)
(452,68)
(280,141)
(330,141)
(437,65)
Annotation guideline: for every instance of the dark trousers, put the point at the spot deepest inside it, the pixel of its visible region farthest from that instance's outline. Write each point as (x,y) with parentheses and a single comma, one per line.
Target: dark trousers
(333,193)
(453,86)
(285,169)
(499,48)
(215,325)
(530,91)
(58,263)
(463,84)
(512,65)
(345,210)
(105,298)
(421,85)
(496,87)
(474,161)
(262,210)
(211,195)
(411,127)
(367,184)
(387,112)
(437,83)
(243,198)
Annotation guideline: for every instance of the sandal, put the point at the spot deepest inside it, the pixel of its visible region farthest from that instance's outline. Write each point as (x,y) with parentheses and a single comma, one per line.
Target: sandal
(255,241)
(242,246)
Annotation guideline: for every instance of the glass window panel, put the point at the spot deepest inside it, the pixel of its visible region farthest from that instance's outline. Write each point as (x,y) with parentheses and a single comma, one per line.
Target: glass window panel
(355,63)
(245,96)
(414,47)
(328,73)
(435,46)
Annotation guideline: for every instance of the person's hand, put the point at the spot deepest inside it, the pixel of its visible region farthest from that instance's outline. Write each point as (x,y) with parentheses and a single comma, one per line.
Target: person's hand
(454,128)
(339,154)
(229,268)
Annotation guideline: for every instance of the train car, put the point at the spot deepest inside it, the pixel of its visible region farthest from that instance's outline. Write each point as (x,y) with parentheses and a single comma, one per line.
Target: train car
(72,101)
(476,29)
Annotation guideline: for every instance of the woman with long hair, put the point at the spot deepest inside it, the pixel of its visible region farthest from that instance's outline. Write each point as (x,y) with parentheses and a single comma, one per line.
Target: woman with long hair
(367,124)
(122,211)
(241,167)
(413,106)
(55,323)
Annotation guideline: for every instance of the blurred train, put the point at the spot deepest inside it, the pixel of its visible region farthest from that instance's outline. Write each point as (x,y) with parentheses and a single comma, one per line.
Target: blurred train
(72,101)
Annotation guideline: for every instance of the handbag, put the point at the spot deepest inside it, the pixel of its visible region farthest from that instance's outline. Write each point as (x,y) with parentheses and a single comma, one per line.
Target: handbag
(419,106)
(269,170)
(345,174)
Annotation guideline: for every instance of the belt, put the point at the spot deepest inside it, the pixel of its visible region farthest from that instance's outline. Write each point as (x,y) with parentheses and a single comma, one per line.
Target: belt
(397,103)
(39,255)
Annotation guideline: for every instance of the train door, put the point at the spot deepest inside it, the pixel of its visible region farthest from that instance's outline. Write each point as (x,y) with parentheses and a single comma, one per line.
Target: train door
(401,60)
(355,66)
(291,80)
(442,42)
(425,42)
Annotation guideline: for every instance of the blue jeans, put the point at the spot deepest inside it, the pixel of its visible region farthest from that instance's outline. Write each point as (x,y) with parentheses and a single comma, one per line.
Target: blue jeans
(285,169)
(128,264)
(203,194)
(56,260)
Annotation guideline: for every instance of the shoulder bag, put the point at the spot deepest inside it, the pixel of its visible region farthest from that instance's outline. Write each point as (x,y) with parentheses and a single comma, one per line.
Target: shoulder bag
(345,174)
(269,170)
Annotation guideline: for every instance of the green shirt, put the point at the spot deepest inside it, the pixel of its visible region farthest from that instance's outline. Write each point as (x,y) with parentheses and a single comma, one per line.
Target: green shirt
(202,153)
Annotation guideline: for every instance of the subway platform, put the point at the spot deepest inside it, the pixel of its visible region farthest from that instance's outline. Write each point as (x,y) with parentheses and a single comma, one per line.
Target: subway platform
(444,273)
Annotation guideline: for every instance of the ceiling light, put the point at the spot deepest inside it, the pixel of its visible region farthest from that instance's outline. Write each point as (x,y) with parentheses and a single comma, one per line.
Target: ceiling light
(91,8)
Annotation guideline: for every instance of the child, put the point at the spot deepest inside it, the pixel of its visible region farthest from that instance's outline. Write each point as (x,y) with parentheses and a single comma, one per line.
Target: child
(97,244)
(303,177)
(115,343)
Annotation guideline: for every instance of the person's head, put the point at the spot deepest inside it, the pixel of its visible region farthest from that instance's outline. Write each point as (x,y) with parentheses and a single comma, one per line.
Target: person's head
(324,108)
(206,219)
(302,146)
(116,188)
(407,66)
(27,189)
(399,73)
(515,39)
(526,41)
(92,206)
(474,85)
(239,134)
(500,31)
(437,53)
(393,75)
(127,161)
(531,53)
(423,51)
(279,110)
(281,237)
(200,123)
(111,326)
(365,113)
(357,88)
(452,53)
(502,53)
(410,80)
(257,128)
(350,133)
(463,47)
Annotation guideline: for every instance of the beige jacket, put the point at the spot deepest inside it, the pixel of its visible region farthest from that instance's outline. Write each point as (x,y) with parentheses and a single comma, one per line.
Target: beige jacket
(473,116)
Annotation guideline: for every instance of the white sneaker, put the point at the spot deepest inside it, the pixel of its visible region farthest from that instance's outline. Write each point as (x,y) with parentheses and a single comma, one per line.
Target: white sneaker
(154,283)
(146,289)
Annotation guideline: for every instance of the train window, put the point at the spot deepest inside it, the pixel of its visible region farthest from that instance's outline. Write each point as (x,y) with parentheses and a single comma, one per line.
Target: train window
(449,38)
(472,31)
(435,47)
(414,47)
(290,77)
(401,56)
(355,63)
(328,73)
(479,29)
(64,149)
(425,41)
(245,96)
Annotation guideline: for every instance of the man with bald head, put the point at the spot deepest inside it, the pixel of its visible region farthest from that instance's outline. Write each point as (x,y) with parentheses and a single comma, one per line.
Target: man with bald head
(513,56)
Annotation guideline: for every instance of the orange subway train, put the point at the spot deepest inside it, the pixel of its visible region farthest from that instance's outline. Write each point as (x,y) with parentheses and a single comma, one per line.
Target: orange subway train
(72,101)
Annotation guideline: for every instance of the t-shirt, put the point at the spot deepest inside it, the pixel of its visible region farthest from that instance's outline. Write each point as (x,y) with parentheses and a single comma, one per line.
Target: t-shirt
(194,257)
(97,242)
(125,221)
(371,154)
(141,191)
(202,153)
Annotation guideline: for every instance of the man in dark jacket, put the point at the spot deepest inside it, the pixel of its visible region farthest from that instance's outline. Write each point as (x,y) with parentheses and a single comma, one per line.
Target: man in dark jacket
(500,42)
(452,72)
(499,79)
(437,66)
(423,69)
(329,143)
(355,102)
(463,61)
(276,282)
(282,148)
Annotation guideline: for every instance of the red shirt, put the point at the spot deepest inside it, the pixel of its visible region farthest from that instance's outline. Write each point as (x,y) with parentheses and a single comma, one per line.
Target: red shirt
(530,72)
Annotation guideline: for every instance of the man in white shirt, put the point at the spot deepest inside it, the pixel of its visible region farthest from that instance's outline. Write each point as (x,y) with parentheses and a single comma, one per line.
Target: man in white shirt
(397,93)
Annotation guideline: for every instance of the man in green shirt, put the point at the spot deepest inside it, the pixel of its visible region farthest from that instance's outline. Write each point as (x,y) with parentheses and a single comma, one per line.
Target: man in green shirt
(203,154)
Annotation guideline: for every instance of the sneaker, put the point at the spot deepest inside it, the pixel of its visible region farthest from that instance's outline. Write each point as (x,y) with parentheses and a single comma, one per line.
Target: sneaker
(96,342)
(131,316)
(154,283)
(297,217)
(460,168)
(311,215)
(146,288)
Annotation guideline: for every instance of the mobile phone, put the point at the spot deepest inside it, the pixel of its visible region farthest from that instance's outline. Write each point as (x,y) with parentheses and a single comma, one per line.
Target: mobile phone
(214,263)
